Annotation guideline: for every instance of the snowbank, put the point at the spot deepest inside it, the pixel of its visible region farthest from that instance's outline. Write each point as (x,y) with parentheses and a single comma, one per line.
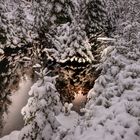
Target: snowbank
(12,136)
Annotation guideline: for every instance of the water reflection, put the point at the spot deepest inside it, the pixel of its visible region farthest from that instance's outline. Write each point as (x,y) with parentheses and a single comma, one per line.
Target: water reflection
(12,67)
(14,119)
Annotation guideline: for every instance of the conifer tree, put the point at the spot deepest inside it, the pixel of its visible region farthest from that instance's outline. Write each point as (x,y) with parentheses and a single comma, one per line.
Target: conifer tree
(41,109)
(49,12)
(3,22)
(94,15)
(15,23)
(70,40)
(112,16)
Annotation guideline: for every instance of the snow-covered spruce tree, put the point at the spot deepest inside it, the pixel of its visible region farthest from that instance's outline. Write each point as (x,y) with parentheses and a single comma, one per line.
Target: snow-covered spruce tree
(39,113)
(128,13)
(70,40)
(95,17)
(3,23)
(112,15)
(69,44)
(55,19)
(51,12)
(65,41)
(16,23)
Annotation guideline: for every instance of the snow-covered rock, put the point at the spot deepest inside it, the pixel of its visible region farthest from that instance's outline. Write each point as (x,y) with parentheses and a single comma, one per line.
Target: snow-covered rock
(70,121)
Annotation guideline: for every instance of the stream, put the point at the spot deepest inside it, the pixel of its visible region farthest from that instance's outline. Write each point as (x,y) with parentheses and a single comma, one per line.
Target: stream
(15,83)
(14,120)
